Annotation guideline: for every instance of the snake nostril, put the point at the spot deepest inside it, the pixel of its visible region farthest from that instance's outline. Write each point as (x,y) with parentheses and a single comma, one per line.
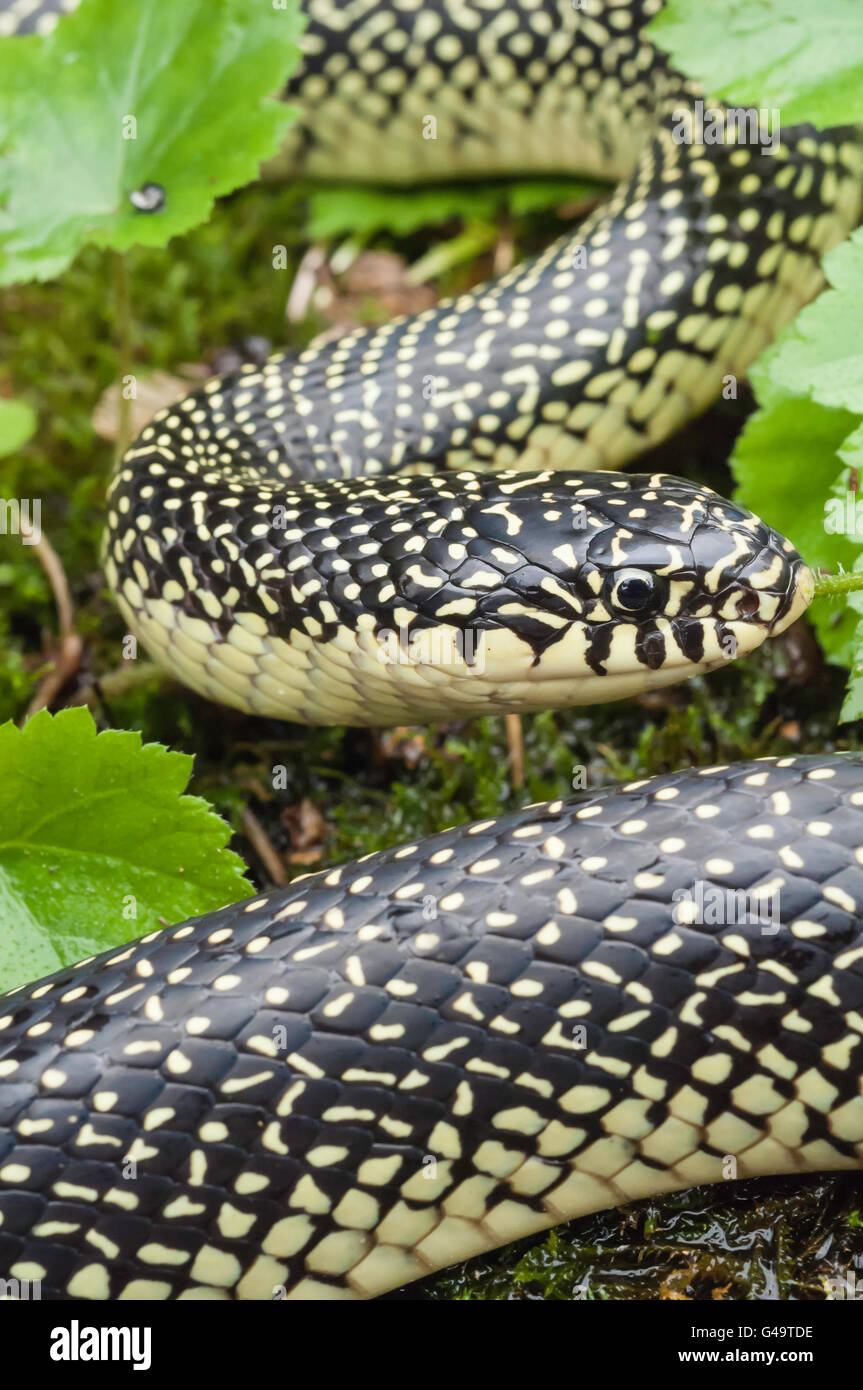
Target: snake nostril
(748,605)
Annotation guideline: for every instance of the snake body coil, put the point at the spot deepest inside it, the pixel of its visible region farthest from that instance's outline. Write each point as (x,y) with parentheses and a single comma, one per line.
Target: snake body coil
(345,1084)
(254,542)
(340,1086)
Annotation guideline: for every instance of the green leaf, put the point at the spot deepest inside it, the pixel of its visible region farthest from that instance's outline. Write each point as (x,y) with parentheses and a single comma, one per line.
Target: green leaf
(360,211)
(805,60)
(543,195)
(799,461)
(17,423)
(852,706)
(121,96)
(98,844)
(357,210)
(788,464)
(820,355)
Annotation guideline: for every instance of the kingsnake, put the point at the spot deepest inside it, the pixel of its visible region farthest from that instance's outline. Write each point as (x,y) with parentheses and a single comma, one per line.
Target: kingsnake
(337,1087)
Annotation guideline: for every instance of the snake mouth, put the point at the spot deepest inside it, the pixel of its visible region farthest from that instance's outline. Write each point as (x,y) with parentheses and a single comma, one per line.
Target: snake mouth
(799,599)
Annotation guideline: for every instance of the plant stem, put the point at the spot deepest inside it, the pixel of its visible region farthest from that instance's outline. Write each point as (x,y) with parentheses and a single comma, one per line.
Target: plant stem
(123,314)
(832,585)
(475,239)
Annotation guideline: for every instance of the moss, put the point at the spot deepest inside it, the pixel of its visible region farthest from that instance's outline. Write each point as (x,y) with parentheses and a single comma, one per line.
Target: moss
(778,1238)
(211,290)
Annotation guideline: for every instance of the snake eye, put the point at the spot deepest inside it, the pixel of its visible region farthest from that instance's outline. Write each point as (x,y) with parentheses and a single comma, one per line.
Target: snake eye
(635,592)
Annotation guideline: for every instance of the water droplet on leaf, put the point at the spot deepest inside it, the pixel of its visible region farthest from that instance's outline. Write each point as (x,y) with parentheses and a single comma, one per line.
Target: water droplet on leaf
(150,197)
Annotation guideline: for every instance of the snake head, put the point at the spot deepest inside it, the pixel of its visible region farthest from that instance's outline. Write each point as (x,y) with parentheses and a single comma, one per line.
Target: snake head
(650,579)
(693,577)
(378,601)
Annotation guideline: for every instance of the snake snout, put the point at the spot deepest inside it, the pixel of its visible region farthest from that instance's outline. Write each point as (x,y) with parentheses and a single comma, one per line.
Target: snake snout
(775,588)
(799,595)
(751,577)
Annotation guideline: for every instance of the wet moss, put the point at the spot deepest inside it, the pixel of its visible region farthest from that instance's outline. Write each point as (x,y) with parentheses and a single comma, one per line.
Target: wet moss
(778,1238)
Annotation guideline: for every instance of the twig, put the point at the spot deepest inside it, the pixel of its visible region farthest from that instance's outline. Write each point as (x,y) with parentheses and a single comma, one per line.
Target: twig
(68,658)
(66,663)
(504,251)
(50,562)
(263,847)
(515,744)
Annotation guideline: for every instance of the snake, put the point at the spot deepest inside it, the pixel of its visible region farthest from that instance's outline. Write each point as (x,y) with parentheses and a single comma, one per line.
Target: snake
(342,1085)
